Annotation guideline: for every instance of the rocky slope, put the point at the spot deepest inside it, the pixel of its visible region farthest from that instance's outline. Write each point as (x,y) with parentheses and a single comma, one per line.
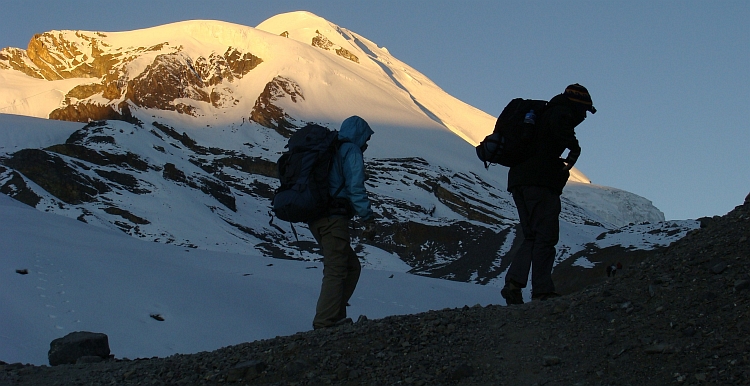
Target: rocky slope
(676,316)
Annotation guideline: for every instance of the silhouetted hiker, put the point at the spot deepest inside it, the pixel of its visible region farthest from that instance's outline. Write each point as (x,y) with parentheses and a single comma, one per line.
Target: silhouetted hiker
(341,267)
(536,185)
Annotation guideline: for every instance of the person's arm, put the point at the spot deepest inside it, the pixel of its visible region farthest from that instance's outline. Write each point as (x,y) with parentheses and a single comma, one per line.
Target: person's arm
(354,175)
(566,136)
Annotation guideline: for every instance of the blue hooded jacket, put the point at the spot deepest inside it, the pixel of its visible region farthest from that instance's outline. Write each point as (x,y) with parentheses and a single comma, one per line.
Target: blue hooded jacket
(349,167)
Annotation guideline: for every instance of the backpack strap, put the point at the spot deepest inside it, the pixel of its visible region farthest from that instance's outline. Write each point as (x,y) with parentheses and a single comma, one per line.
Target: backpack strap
(341,163)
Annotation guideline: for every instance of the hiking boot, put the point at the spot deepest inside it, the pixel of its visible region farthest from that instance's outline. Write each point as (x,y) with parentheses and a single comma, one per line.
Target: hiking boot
(343,322)
(512,294)
(545,295)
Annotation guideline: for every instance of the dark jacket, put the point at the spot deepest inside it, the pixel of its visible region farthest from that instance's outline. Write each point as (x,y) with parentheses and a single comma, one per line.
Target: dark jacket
(555,133)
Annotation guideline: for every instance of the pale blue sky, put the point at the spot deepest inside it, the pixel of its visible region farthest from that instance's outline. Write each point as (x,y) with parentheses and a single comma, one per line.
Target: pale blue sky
(669,78)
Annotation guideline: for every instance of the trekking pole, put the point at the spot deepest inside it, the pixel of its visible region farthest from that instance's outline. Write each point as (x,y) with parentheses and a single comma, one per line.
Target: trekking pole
(274,225)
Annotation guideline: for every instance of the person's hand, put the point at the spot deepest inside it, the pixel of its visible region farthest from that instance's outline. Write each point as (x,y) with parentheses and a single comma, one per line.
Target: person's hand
(369,230)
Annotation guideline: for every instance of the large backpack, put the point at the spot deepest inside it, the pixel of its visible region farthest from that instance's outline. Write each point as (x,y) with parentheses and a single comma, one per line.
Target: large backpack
(512,141)
(303,171)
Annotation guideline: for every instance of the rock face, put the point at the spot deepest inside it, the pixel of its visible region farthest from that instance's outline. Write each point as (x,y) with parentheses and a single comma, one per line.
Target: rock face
(16,59)
(76,345)
(170,77)
(56,176)
(15,186)
(266,113)
(322,42)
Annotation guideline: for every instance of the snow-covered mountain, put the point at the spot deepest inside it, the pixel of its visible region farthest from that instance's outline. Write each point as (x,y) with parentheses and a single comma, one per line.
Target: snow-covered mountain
(181,126)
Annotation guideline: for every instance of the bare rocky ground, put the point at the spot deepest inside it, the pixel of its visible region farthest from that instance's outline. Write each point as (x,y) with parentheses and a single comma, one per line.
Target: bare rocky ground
(676,316)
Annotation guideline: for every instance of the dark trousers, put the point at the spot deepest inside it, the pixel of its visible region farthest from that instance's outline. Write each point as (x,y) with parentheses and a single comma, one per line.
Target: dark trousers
(341,269)
(539,211)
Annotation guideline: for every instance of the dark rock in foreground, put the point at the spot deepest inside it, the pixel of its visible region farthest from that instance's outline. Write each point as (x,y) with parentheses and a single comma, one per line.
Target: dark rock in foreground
(77,346)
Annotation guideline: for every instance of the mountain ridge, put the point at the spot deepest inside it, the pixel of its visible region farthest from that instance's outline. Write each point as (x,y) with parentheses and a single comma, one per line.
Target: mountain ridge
(197,125)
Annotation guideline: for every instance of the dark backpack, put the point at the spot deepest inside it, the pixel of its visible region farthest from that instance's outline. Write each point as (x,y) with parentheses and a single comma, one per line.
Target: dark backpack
(512,141)
(303,171)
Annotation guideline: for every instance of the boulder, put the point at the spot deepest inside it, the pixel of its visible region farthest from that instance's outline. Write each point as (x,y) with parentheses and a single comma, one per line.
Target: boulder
(70,348)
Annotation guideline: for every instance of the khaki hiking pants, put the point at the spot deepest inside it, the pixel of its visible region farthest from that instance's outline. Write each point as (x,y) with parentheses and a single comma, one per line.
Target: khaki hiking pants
(341,269)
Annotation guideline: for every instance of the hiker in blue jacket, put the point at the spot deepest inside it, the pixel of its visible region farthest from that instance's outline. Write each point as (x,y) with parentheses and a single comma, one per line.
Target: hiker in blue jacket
(341,267)
(536,185)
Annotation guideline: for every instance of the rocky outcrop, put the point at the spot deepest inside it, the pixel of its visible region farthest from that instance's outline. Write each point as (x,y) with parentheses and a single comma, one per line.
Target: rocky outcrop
(225,168)
(346,54)
(232,65)
(216,189)
(16,59)
(56,176)
(58,57)
(172,75)
(15,186)
(169,77)
(320,41)
(177,76)
(126,215)
(268,114)
(91,111)
(75,54)
(77,346)
(78,146)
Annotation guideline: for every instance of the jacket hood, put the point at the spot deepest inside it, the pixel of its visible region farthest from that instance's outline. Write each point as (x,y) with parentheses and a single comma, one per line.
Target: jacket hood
(355,130)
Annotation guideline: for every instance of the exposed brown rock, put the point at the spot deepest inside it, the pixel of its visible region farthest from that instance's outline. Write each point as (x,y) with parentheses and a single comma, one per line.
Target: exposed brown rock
(346,54)
(169,77)
(271,116)
(228,67)
(241,63)
(83,91)
(16,59)
(321,41)
(173,75)
(85,112)
(57,57)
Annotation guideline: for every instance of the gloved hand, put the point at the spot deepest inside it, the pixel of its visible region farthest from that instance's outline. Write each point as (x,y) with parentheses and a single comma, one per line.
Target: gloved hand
(369,229)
